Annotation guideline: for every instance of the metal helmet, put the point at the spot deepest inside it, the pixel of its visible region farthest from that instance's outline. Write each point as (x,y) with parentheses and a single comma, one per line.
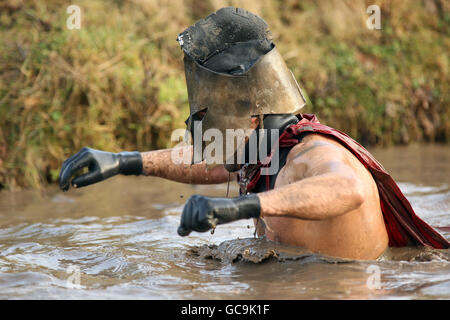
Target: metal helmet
(233,72)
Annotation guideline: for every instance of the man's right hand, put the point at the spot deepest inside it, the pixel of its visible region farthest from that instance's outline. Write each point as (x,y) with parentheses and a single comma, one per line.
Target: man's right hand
(101,166)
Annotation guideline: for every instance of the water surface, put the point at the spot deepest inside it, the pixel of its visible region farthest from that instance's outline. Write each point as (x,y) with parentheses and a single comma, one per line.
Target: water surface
(119,239)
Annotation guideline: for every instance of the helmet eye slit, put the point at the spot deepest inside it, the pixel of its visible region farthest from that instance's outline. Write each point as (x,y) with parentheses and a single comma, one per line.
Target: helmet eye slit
(197,116)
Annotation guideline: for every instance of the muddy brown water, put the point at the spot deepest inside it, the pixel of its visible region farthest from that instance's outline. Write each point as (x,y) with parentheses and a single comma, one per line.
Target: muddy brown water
(118,240)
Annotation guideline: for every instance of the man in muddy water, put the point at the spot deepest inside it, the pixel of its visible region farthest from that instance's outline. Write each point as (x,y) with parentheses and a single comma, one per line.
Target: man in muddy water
(327,193)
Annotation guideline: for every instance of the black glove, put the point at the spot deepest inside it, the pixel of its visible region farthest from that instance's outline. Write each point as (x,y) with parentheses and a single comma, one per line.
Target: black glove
(204,213)
(102,165)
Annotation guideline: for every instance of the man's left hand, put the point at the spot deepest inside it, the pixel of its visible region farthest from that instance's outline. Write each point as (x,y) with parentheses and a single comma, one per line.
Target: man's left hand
(202,213)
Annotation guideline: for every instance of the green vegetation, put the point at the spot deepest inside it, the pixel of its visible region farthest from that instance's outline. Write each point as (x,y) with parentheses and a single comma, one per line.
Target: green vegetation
(118,82)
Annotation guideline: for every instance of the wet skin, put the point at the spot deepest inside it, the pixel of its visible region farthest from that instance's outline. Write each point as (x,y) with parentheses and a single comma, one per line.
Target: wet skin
(325,200)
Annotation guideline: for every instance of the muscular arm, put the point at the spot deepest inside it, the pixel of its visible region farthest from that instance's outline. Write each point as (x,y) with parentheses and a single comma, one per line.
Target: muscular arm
(327,185)
(159,163)
(102,165)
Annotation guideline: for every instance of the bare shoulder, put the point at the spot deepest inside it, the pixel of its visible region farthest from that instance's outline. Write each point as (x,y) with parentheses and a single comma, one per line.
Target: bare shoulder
(316,146)
(318,154)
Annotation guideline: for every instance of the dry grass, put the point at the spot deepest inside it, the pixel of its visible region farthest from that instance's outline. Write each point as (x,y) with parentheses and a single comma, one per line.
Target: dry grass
(118,83)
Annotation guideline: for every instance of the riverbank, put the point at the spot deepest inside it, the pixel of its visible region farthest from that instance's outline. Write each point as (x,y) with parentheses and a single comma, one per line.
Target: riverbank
(118,82)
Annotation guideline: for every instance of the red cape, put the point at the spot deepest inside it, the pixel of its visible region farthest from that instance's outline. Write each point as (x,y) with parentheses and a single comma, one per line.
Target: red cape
(403,226)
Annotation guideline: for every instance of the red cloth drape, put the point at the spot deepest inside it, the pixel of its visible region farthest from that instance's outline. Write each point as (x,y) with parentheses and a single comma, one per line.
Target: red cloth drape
(404,227)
